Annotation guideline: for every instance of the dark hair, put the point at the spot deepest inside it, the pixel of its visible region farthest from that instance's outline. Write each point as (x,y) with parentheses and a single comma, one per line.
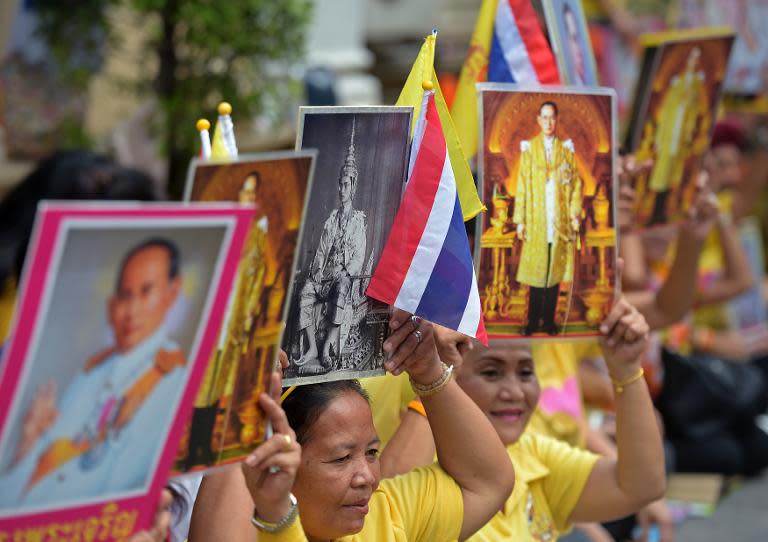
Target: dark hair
(174,259)
(305,404)
(65,175)
(551,104)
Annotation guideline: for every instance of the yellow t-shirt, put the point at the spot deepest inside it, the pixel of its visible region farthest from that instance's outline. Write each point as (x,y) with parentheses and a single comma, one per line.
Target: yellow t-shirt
(389,395)
(549,479)
(422,505)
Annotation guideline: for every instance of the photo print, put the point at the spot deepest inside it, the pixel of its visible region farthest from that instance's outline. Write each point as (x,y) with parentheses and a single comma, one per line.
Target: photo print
(546,254)
(674,112)
(571,44)
(121,305)
(334,331)
(226,424)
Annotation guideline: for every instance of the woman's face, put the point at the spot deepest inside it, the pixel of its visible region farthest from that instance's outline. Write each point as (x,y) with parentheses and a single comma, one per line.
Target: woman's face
(339,469)
(500,379)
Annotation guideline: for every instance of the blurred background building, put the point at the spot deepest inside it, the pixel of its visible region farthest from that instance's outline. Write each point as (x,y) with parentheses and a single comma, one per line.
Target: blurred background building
(101,89)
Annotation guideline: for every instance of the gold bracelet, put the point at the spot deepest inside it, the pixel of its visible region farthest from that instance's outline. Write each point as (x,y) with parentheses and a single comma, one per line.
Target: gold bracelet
(619,385)
(431,389)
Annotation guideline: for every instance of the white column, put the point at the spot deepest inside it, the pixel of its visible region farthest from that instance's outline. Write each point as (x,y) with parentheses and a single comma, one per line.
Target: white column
(336,40)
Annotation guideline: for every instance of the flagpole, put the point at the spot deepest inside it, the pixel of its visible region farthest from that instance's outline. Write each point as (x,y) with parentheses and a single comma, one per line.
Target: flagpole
(203,126)
(227,128)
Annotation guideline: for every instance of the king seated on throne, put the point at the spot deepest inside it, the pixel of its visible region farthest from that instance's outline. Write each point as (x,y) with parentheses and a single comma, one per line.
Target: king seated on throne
(328,298)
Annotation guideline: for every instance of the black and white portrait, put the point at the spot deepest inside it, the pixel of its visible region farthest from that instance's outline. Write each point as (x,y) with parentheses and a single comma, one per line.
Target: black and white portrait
(333,330)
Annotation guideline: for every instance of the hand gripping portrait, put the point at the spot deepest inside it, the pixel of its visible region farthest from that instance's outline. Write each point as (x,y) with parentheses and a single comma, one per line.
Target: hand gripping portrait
(547,211)
(75,446)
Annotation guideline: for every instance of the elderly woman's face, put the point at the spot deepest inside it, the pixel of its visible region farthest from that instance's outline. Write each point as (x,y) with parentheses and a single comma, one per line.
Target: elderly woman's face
(339,469)
(500,379)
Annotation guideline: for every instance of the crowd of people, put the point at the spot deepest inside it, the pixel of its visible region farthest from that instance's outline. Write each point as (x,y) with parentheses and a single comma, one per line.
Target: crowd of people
(461,441)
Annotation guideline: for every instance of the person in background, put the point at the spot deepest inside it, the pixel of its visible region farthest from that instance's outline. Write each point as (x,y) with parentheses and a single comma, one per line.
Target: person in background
(557,484)
(65,175)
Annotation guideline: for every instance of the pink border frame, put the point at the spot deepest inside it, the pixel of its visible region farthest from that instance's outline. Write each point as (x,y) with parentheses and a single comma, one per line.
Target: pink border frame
(118,518)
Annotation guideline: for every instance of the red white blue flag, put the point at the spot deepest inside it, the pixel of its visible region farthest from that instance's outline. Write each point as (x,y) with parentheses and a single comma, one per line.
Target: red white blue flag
(426,266)
(519,50)
(507,46)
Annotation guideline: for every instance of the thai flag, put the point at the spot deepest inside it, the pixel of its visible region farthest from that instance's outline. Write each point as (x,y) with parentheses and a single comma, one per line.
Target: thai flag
(426,266)
(519,51)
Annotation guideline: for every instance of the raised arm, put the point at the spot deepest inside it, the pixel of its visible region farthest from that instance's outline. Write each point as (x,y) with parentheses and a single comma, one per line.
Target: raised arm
(737,277)
(618,487)
(635,273)
(468,448)
(678,293)
(412,445)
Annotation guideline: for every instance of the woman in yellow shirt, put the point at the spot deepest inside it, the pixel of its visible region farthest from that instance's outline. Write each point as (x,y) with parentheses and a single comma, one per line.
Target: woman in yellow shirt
(556,484)
(331,464)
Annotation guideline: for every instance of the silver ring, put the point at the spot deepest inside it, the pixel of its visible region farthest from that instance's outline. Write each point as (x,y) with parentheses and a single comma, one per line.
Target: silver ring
(417,334)
(416,321)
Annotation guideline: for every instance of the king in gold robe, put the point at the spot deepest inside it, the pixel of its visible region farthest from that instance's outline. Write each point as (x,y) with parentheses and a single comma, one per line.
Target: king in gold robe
(681,117)
(245,308)
(548,185)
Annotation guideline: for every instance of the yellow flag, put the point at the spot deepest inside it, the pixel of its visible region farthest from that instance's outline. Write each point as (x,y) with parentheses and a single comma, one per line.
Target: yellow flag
(474,70)
(424,70)
(219,150)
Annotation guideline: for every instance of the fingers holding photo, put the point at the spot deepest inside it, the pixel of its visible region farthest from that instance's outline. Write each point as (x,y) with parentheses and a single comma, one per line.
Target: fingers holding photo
(411,345)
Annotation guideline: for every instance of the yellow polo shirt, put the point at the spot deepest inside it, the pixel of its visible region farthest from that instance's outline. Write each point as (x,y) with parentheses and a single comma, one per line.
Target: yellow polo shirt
(549,479)
(422,505)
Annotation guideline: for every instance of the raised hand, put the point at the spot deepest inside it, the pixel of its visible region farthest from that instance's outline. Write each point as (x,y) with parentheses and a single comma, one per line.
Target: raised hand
(625,208)
(412,348)
(40,416)
(159,530)
(629,169)
(624,339)
(657,513)
(271,469)
(451,345)
(704,211)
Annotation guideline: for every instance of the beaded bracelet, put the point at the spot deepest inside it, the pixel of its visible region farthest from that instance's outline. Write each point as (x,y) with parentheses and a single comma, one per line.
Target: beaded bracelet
(284,523)
(431,389)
